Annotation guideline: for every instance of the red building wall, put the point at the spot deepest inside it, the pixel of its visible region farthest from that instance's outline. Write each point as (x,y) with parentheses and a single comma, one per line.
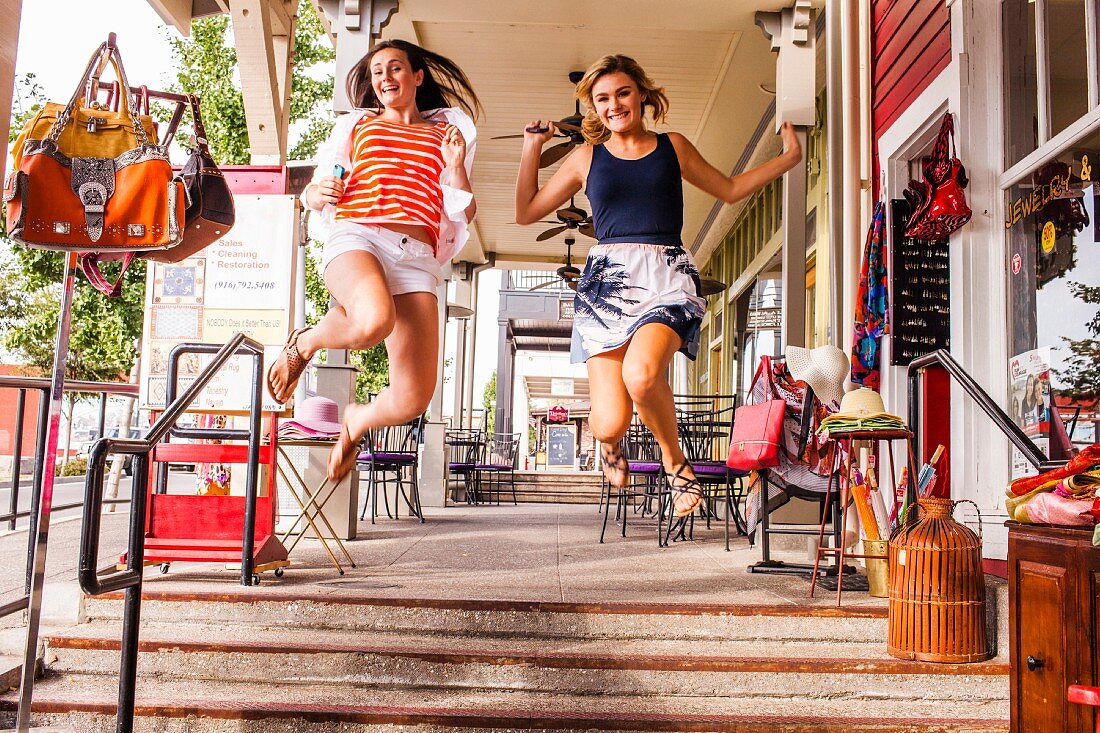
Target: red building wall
(8,417)
(910,46)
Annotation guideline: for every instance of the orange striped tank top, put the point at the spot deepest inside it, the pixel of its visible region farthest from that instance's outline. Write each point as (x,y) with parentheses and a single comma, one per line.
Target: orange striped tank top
(395,175)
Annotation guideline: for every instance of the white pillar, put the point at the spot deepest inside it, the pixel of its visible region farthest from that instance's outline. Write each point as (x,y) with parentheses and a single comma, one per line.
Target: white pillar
(9,42)
(433,459)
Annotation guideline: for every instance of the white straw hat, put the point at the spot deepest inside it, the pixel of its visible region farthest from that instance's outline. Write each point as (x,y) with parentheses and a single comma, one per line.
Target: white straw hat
(824,369)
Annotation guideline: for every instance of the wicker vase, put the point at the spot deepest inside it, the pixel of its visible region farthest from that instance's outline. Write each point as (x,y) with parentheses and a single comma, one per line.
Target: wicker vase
(937,589)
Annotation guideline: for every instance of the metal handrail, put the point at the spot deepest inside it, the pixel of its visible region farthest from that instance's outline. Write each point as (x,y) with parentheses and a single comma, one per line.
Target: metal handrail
(943,359)
(130,579)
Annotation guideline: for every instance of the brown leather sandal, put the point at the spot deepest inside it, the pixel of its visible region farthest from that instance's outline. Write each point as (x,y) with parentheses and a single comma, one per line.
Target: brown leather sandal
(690,487)
(290,360)
(613,461)
(342,457)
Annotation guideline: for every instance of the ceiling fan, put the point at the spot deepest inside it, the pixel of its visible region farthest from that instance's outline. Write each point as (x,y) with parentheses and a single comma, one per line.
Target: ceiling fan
(568,272)
(572,217)
(568,127)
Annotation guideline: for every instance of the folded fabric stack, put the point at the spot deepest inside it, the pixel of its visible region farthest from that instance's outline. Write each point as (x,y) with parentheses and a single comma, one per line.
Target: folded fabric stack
(861,409)
(1067,495)
(317,418)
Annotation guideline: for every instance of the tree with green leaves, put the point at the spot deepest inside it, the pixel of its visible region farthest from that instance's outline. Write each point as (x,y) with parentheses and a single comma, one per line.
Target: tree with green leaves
(489,402)
(1082,375)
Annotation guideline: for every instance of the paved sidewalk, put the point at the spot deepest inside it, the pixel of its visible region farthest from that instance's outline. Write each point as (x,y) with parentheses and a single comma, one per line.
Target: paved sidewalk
(534,552)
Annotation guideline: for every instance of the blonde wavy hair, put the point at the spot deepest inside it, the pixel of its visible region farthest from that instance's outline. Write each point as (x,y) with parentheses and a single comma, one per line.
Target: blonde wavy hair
(653,96)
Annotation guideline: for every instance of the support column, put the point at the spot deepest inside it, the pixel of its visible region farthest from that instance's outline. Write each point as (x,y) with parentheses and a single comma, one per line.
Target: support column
(433,457)
(10,11)
(506,368)
(793,310)
(791,32)
(355,25)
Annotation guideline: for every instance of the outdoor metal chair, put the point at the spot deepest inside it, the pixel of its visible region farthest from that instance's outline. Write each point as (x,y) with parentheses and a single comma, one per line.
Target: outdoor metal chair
(647,482)
(392,449)
(464,450)
(501,455)
(705,435)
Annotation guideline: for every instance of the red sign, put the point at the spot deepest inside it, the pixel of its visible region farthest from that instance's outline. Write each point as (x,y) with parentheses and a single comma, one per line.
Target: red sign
(1017,263)
(557,413)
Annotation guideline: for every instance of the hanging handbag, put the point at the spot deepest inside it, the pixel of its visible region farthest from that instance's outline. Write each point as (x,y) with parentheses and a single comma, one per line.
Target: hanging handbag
(96,182)
(757,432)
(210,212)
(938,202)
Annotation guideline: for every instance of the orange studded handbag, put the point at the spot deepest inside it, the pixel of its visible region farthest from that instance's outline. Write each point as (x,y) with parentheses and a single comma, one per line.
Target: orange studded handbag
(91,180)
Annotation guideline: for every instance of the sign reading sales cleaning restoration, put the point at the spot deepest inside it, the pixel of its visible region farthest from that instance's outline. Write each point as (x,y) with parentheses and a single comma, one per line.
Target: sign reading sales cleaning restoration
(243,283)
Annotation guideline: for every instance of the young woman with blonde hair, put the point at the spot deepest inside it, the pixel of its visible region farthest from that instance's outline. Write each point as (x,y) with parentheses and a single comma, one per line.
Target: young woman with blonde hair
(638,300)
(400,213)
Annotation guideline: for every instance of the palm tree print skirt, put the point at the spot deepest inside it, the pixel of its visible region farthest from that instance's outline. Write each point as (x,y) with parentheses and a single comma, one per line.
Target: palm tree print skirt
(625,286)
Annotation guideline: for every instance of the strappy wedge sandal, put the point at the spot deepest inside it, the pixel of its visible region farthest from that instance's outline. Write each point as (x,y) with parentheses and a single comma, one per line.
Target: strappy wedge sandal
(613,462)
(343,456)
(686,487)
(292,362)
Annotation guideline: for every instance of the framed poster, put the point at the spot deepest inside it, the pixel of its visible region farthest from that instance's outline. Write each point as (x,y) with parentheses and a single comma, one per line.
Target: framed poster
(242,283)
(561,446)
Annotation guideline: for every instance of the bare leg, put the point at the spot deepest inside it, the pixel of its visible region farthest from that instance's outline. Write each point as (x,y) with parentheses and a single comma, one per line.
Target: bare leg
(365,313)
(413,348)
(364,317)
(645,365)
(611,412)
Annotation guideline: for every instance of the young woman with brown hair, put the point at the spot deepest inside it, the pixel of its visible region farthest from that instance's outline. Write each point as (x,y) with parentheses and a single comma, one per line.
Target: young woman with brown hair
(401,212)
(638,299)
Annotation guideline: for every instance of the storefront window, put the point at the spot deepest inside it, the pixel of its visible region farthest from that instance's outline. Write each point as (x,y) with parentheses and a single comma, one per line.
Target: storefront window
(1021,86)
(1067,62)
(1054,286)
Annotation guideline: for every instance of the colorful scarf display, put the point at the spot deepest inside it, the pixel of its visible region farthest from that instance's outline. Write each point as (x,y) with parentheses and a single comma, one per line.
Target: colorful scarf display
(872,318)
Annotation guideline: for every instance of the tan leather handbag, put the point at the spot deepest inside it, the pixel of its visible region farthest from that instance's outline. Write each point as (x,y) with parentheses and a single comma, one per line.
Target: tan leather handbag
(92,180)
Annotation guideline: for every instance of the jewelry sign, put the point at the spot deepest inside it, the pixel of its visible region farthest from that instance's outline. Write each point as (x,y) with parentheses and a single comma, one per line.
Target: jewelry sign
(242,283)
(920,293)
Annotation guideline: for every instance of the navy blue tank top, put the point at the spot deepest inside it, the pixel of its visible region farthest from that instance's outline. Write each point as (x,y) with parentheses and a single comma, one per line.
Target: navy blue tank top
(637,201)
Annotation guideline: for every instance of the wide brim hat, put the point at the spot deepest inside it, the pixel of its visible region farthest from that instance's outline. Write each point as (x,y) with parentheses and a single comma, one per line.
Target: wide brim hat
(862,404)
(316,415)
(824,369)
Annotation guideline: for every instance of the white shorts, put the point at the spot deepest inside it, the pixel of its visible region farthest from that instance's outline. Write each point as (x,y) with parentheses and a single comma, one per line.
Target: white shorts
(409,264)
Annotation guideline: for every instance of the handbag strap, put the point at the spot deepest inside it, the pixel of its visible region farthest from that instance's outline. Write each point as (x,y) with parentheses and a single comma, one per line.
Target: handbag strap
(173,124)
(89,264)
(200,130)
(115,59)
(177,116)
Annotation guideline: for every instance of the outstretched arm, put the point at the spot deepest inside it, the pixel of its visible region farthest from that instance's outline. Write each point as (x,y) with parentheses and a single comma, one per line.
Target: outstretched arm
(533,203)
(698,172)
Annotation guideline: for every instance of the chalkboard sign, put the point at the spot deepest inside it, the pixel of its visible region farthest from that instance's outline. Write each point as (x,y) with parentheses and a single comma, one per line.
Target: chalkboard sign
(562,446)
(920,291)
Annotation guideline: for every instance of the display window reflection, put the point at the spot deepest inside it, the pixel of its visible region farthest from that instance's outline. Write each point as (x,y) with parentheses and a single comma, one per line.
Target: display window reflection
(1054,299)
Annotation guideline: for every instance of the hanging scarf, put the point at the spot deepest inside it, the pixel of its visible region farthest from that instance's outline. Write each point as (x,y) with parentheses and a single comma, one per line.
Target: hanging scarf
(872,305)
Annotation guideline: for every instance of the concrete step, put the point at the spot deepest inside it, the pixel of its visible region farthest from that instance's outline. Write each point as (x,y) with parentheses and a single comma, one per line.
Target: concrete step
(273,607)
(643,668)
(87,702)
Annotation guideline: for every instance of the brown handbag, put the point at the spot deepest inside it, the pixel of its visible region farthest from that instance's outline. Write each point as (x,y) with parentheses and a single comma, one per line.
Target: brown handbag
(210,212)
(97,182)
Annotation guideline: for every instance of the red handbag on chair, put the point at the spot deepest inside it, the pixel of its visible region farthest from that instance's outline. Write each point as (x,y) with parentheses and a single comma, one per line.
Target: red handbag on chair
(756,436)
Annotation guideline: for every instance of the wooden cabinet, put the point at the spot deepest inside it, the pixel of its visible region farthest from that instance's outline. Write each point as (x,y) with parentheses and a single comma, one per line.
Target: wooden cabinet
(1054,624)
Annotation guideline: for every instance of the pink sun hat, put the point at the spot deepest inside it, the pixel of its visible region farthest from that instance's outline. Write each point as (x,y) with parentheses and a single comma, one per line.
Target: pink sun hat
(316,416)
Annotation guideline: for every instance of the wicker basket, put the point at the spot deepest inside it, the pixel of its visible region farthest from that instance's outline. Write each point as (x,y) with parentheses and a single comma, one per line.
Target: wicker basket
(937,588)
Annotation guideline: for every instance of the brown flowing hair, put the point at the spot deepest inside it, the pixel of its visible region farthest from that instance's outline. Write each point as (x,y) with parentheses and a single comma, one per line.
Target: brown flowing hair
(444,85)
(654,96)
